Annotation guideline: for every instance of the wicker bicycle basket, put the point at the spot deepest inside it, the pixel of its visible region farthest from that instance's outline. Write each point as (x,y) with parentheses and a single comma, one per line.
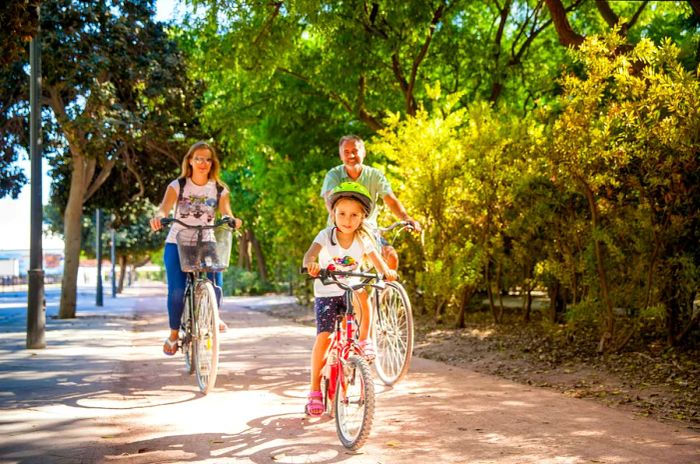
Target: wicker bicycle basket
(204,250)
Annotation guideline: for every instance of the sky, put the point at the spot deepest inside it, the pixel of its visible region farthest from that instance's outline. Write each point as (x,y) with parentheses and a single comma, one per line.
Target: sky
(16,236)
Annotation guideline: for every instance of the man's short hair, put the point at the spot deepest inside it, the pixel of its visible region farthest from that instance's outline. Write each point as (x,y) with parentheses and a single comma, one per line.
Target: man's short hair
(359,144)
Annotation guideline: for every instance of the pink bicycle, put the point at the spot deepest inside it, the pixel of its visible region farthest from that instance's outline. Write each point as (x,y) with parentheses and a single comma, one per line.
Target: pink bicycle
(346,377)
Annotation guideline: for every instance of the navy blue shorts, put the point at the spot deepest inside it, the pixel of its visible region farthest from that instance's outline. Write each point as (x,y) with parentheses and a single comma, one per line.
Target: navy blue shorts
(327,308)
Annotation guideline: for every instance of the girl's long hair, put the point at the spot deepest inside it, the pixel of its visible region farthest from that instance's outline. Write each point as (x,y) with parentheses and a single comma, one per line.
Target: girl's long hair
(214,172)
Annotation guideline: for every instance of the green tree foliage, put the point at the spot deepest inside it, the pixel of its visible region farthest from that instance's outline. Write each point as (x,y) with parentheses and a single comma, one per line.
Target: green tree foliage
(20,23)
(115,87)
(627,140)
(463,107)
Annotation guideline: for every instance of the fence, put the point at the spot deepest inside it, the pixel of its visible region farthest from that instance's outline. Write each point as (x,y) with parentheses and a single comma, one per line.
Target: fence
(10,284)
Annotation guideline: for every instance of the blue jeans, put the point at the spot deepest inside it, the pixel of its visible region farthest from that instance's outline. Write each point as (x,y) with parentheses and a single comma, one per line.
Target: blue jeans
(177,280)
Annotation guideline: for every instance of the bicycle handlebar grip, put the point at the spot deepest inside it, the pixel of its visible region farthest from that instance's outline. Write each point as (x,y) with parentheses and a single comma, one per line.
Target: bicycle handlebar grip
(303,270)
(166,221)
(228,220)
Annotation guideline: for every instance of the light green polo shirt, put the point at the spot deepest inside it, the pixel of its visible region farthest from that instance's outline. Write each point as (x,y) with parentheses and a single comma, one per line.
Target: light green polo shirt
(373,179)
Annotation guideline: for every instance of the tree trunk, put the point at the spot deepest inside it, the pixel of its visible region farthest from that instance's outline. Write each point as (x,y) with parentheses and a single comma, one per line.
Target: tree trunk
(467,294)
(438,310)
(609,329)
(259,257)
(499,275)
(553,293)
(489,291)
(243,253)
(123,261)
(72,227)
(527,304)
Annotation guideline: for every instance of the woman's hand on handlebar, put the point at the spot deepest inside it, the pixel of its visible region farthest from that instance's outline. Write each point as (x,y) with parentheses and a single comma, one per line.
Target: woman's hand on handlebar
(233,222)
(155,223)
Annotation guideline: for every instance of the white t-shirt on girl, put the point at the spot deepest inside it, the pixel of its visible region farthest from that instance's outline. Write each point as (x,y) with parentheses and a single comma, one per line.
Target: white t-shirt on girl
(340,259)
(197,208)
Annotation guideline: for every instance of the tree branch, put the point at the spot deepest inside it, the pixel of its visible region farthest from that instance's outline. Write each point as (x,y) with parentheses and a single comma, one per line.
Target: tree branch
(634,19)
(101,178)
(607,12)
(268,22)
(567,36)
(129,160)
(411,101)
(695,5)
(497,86)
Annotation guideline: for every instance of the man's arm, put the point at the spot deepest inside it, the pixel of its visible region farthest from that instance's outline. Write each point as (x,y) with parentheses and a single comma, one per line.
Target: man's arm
(399,211)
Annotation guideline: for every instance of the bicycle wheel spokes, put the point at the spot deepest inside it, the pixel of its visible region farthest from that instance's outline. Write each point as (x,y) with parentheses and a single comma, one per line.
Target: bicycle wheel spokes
(186,336)
(354,403)
(206,336)
(393,334)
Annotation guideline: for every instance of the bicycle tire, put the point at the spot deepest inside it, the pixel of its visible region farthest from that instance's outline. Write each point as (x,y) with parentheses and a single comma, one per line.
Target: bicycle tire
(354,403)
(186,335)
(206,336)
(393,333)
(328,402)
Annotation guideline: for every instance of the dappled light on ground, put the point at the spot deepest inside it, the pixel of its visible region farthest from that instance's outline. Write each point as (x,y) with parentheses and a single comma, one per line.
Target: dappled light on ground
(104,392)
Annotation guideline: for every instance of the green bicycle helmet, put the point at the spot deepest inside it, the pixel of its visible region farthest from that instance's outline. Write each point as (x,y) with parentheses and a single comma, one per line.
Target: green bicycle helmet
(352,190)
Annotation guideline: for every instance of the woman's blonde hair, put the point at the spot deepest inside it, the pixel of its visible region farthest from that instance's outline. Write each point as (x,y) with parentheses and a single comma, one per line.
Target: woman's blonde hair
(214,172)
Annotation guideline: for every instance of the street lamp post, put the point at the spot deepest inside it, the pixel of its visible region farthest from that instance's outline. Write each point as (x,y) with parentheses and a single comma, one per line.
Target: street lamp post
(113,257)
(99,301)
(36,305)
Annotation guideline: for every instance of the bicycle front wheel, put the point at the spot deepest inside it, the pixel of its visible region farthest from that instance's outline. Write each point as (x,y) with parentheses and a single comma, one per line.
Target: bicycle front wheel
(206,336)
(393,333)
(186,335)
(354,403)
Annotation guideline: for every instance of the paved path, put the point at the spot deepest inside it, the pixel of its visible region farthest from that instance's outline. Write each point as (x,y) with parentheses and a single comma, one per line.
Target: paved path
(103,392)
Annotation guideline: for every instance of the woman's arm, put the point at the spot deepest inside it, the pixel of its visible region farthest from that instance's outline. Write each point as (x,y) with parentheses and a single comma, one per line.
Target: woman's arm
(166,205)
(225,209)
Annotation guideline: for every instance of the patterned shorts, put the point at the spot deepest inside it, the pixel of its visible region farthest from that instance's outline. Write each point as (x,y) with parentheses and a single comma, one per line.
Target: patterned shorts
(326,309)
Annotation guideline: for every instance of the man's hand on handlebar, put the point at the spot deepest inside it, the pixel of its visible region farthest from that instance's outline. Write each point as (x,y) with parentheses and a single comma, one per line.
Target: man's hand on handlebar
(413,224)
(390,275)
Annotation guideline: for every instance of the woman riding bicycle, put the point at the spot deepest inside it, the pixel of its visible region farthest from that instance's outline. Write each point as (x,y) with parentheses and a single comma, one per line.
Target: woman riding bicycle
(196,195)
(344,246)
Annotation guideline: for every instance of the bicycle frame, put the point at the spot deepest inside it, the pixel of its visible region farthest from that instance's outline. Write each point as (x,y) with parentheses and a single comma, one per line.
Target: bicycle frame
(341,347)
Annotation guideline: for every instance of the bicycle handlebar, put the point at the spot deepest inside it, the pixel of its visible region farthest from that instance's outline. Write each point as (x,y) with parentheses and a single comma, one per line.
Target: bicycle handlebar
(328,277)
(217,223)
(403,224)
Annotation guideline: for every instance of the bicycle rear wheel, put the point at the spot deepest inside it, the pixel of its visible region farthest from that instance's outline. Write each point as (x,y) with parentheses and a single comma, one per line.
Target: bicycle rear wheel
(354,403)
(393,333)
(206,336)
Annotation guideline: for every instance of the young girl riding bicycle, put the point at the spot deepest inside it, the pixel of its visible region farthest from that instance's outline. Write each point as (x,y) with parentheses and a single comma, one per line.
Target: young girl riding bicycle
(344,246)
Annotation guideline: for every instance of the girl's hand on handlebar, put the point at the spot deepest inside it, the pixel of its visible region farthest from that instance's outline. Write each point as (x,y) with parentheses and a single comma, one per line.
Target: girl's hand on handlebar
(391,275)
(313,269)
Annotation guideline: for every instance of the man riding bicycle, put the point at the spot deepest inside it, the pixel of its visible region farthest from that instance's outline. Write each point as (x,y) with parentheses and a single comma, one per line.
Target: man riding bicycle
(352,154)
